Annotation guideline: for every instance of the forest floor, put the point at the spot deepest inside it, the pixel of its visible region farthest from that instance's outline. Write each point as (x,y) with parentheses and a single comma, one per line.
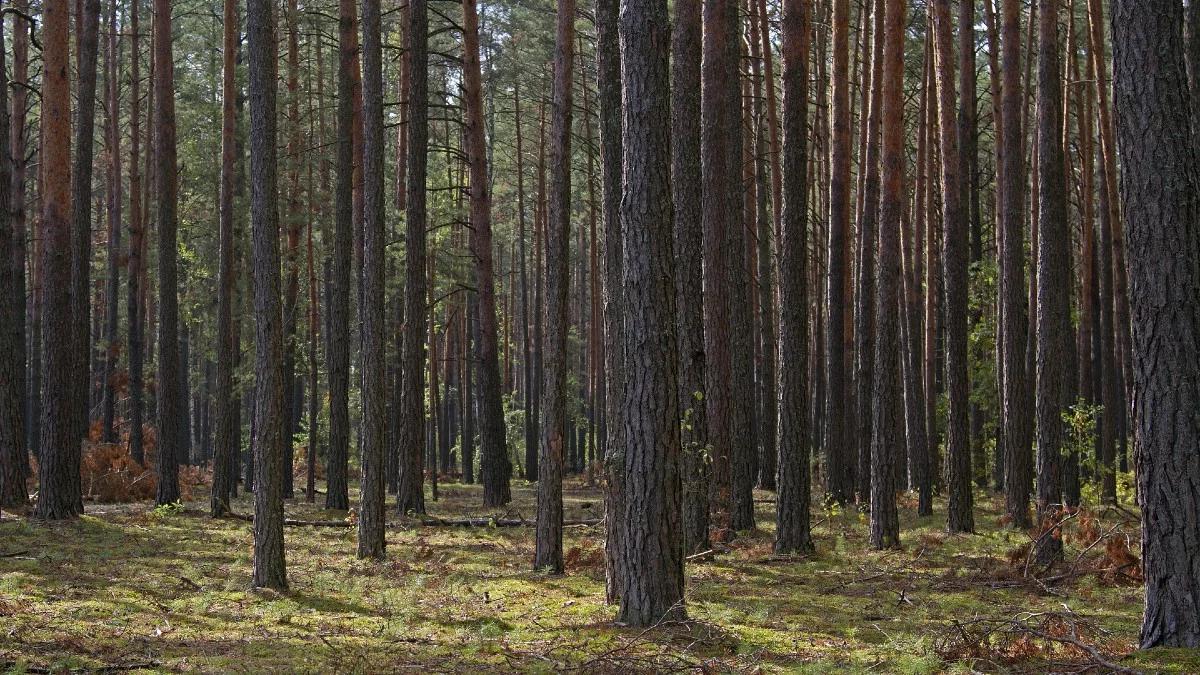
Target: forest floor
(131,587)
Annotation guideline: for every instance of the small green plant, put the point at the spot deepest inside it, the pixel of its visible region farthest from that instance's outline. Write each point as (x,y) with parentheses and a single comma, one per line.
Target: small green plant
(163,511)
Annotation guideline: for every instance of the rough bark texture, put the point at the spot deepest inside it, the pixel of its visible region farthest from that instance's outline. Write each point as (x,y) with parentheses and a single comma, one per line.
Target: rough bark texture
(792,526)
(653,578)
(689,279)
(112,351)
(337,461)
(1159,187)
(269,567)
(135,312)
(59,491)
(374,372)
(721,185)
(224,472)
(171,403)
(885,406)
(1054,335)
(12,315)
(87,44)
(1013,322)
(548,553)
(608,85)
(960,511)
(495,467)
(411,494)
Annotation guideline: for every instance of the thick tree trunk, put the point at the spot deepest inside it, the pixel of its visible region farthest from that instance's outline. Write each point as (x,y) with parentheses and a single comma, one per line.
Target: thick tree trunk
(135,308)
(955,226)
(26,295)
(337,461)
(548,553)
(496,469)
(1013,324)
(653,566)
(269,567)
(885,406)
(371,542)
(1159,188)
(171,405)
(410,497)
(792,526)
(1054,353)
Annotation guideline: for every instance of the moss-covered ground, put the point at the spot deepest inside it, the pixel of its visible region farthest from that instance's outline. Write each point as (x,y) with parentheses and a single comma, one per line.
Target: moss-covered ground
(130,587)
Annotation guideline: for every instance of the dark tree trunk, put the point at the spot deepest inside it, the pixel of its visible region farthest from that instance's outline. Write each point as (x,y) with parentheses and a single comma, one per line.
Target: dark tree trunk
(371,542)
(608,82)
(495,467)
(1013,324)
(184,427)
(224,471)
(960,515)
(885,406)
(1159,188)
(12,317)
(689,279)
(171,406)
(135,308)
(792,527)
(720,158)
(1054,335)
(108,431)
(338,458)
(652,577)
(864,294)
(838,459)
(411,495)
(87,43)
(292,221)
(548,553)
(269,567)
(527,386)
(59,490)
(25,296)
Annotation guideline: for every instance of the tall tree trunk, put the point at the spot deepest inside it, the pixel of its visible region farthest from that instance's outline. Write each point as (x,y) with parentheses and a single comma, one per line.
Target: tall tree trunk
(1013,324)
(224,471)
(292,222)
(689,275)
(608,83)
(87,43)
(337,462)
(720,156)
(26,295)
(59,490)
(527,386)
(411,495)
(1159,187)
(496,469)
(170,391)
(371,542)
(548,552)
(864,294)
(12,317)
(135,307)
(1053,283)
(108,431)
(792,527)
(885,405)
(837,454)
(653,569)
(960,515)
(269,566)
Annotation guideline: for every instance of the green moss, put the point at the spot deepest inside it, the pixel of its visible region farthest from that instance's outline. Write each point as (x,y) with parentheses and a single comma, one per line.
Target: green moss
(168,589)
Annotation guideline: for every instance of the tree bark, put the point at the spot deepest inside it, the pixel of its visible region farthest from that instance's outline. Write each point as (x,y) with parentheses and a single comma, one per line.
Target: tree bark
(108,432)
(269,566)
(135,307)
(1159,186)
(792,526)
(653,559)
(87,44)
(12,316)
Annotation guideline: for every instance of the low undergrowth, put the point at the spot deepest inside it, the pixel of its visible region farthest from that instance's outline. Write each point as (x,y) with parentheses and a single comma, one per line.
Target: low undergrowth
(135,588)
